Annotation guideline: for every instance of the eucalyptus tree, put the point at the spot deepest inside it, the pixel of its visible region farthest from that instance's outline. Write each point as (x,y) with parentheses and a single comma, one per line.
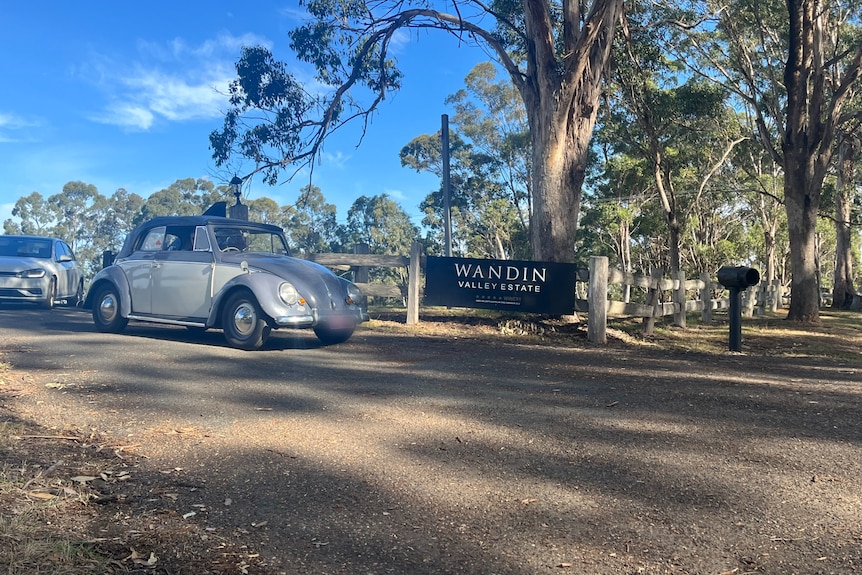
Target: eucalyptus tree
(35,215)
(490,114)
(381,223)
(485,221)
(112,219)
(184,197)
(554,52)
(794,65)
(684,131)
(73,208)
(843,287)
(311,222)
(265,210)
(425,154)
(760,184)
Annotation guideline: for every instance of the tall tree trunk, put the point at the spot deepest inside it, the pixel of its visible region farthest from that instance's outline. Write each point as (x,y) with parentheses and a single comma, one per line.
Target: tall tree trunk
(625,254)
(842,287)
(806,154)
(668,202)
(769,218)
(558,170)
(802,203)
(561,96)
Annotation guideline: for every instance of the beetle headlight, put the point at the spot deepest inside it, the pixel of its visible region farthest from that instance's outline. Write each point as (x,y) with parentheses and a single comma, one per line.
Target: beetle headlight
(34,273)
(354,295)
(288,294)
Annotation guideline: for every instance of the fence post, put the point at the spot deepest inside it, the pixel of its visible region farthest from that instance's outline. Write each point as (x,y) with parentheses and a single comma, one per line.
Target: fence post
(749,299)
(597,300)
(360,273)
(679,300)
(706,298)
(413,283)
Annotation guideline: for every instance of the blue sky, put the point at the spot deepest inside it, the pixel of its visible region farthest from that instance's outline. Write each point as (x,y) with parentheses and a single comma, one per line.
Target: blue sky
(125,96)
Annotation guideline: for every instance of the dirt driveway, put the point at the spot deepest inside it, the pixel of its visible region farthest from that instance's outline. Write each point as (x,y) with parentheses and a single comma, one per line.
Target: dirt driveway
(435,450)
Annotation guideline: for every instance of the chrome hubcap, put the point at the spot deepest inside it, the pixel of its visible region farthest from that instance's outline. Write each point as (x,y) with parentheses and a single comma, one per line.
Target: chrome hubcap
(244,319)
(108,308)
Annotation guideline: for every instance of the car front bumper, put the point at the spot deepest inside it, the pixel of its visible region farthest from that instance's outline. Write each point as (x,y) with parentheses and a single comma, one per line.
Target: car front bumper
(337,320)
(23,289)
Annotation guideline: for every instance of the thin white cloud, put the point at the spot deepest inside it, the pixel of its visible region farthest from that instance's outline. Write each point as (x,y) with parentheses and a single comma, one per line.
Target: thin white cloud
(127,115)
(13,128)
(173,82)
(337,160)
(295,14)
(397,195)
(400,40)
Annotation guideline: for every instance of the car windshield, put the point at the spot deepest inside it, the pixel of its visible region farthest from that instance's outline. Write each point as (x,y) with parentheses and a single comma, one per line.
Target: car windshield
(25,247)
(247,239)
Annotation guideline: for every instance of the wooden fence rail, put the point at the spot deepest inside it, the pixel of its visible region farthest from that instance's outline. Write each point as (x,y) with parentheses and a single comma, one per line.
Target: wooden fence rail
(664,296)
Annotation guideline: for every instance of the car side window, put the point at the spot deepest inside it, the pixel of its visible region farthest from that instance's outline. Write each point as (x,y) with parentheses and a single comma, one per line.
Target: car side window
(63,250)
(201,240)
(154,240)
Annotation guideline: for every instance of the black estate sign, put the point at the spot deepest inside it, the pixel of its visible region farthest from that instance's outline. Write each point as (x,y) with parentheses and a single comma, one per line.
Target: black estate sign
(536,287)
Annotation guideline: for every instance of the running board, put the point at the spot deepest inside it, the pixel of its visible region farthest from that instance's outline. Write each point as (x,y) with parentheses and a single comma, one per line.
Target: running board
(168,321)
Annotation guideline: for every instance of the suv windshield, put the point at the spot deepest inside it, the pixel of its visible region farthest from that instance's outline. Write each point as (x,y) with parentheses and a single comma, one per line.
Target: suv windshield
(243,239)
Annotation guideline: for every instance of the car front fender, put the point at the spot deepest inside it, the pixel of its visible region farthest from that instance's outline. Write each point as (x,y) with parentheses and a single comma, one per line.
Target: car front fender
(114,276)
(264,287)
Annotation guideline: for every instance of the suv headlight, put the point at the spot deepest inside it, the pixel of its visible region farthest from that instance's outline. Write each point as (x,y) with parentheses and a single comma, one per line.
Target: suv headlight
(288,294)
(34,273)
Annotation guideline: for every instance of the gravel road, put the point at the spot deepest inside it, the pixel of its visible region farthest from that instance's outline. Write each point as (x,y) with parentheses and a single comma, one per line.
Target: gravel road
(421,451)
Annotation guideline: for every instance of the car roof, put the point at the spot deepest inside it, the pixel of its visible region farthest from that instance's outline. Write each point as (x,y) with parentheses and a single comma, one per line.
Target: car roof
(190,221)
(18,237)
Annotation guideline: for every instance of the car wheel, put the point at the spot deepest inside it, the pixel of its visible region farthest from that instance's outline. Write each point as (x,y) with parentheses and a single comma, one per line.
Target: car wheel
(106,311)
(331,336)
(77,299)
(48,302)
(243,322)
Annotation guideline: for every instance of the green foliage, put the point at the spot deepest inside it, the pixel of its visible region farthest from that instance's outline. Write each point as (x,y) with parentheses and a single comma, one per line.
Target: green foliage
(489,171)
(184,197)
(312,223)
(381,224)
(263,84)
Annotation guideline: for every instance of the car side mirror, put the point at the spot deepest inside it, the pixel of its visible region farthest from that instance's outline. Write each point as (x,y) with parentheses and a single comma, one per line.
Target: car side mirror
(64,258)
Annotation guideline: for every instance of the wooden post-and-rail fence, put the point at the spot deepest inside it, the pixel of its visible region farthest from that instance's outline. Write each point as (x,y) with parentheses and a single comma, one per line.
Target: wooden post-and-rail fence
(664,296)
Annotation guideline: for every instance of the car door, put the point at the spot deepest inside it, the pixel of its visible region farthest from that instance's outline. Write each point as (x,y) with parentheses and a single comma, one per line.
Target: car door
(182,277)
(68,275)
(138,268)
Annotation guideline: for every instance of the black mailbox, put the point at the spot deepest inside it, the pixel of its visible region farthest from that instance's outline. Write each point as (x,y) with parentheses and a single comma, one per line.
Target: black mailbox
(737,279)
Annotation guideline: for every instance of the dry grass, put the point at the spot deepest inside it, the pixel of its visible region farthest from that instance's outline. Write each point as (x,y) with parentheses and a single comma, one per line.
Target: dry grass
(838,336)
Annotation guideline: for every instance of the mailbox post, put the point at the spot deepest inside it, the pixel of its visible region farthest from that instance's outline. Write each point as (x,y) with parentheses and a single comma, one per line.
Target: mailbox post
(737,279)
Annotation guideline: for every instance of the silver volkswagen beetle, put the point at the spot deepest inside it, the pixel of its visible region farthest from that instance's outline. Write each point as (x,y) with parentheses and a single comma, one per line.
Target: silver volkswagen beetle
(214,272)
(39,270)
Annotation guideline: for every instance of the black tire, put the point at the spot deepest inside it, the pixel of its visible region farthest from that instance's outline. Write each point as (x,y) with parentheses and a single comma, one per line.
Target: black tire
(78,299)
(330,336)
(244,323)
(106,310)
(48,302)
